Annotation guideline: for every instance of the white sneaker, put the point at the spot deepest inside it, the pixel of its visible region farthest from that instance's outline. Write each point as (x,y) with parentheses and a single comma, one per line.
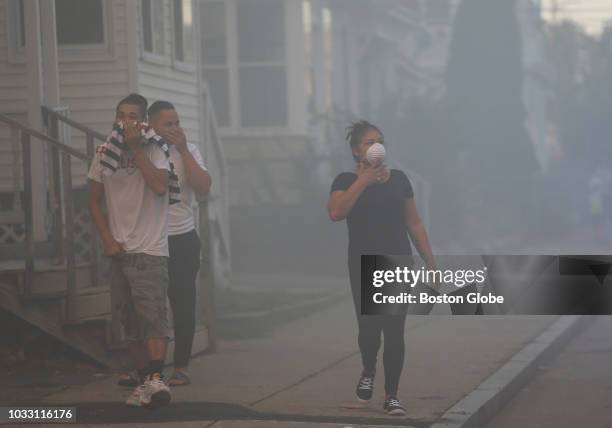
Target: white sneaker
(155,393)
(135,398)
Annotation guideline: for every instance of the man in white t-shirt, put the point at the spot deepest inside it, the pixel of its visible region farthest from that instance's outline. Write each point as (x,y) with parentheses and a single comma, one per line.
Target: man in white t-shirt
(183,241)
(134,235)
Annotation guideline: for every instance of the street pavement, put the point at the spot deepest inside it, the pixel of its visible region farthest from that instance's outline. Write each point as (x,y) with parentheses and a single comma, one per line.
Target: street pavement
(572,390)
(303,374)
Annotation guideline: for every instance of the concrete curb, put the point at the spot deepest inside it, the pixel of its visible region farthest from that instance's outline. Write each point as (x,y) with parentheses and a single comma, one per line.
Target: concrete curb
(480,405)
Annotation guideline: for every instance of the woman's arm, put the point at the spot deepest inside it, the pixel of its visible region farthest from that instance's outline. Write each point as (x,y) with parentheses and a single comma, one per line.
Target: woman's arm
(341,202)
(417,233)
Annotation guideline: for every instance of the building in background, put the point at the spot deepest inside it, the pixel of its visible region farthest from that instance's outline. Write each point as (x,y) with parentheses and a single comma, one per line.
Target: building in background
(79,58)
(537,83)
(90,54)
(265,87)
(286,78)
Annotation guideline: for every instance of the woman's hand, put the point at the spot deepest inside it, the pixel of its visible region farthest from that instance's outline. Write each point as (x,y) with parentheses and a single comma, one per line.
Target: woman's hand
(372,174)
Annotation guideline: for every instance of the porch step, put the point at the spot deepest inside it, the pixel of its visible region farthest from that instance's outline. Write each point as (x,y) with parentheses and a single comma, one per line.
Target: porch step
(49,278)
(93,302)
(91,333)
(47,295)
(90,338)
(47,264)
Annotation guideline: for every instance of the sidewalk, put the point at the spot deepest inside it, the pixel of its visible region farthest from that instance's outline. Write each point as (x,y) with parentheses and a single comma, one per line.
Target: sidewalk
(306,371)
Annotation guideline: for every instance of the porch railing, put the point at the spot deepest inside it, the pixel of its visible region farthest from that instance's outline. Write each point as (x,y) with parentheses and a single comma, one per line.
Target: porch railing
(61,167)
(55,119)
(213,218)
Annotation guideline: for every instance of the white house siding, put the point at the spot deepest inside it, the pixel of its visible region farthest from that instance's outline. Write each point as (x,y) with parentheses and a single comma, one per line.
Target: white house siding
(90,86)
(165,80)
(13,89)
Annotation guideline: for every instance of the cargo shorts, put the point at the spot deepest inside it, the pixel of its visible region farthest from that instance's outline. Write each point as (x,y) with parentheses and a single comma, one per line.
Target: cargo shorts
(139,286)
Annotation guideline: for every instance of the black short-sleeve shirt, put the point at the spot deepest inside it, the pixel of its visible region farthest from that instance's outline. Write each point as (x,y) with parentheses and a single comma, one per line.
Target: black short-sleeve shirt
(377,222)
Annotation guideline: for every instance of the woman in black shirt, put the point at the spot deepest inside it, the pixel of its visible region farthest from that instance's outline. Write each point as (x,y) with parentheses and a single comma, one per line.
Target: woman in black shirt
(379,208)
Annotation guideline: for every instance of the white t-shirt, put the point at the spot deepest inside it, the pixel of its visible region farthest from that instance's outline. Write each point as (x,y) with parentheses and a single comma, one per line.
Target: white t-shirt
(180,215)
(138,218)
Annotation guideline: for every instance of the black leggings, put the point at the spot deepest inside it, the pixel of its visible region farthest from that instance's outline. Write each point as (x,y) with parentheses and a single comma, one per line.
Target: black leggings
(370,329)
(183,266)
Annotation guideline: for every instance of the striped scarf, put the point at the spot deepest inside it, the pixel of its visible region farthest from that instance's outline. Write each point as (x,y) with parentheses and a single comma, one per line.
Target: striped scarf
(110,158)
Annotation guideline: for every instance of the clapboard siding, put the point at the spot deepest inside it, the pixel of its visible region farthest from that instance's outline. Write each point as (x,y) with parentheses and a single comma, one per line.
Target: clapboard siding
(159,82)
(13,79)
(92,78)
(8,158)
(165,82)
(91,89)
(13,89)
(94,66)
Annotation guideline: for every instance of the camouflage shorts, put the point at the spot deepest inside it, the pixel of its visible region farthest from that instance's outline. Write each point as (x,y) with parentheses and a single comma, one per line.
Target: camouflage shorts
(139,285)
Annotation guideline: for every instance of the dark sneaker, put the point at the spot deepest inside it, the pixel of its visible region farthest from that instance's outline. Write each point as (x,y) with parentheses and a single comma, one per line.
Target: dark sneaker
(393,407)
(365,388)
(179,378)
(130,379)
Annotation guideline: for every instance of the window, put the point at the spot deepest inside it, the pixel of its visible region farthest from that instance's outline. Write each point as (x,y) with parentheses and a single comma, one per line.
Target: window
(153,26)
(308,52)
(214,42)
(261,57)
(21,32)
(263,96)
(246,69)
(214,57)
(88,29)
(183,30)
(261,30)
(328,51)
(79,22)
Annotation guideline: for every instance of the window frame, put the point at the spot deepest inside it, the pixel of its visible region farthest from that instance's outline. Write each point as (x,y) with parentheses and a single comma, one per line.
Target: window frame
(181,65)
(233,66)
(227,67)
(85,52)
(151,57)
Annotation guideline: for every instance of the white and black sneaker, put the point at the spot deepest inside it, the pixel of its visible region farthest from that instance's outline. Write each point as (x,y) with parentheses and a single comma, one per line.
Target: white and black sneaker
(135,398)
(365,388)
(155,393)
(393,407)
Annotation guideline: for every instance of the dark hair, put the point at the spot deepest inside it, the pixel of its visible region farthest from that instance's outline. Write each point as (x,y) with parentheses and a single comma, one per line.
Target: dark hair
(158,106)
(135,100)
(356,130)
